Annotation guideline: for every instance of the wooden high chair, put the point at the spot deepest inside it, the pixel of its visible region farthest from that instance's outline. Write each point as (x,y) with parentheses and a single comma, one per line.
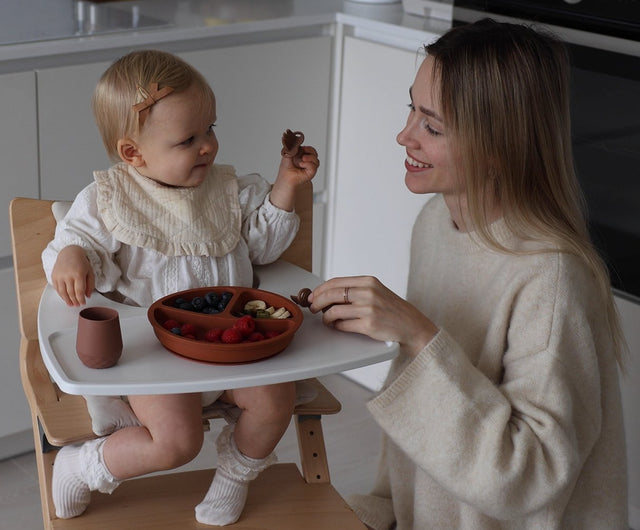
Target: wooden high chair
(281,498)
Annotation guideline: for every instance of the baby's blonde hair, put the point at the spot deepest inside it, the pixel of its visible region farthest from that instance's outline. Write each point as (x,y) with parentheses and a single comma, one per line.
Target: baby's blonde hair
(119,90)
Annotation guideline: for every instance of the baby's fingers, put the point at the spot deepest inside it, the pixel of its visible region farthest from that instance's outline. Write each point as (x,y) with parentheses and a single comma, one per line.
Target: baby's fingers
(72,292)
(307,158)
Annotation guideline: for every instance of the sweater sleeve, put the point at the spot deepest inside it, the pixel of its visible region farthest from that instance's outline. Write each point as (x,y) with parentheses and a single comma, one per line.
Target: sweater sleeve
(268,230)
(376,509)
(83,227)
(516,445)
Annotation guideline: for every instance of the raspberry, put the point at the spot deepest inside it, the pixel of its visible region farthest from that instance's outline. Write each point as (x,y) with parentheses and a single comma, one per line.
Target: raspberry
(214,335)
(170,324)
(231,336)
(271,334)
(245,325)
(188,329)
(255,337)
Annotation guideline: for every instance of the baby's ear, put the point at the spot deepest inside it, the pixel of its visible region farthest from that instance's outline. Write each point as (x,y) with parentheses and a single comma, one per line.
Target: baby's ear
(129,152)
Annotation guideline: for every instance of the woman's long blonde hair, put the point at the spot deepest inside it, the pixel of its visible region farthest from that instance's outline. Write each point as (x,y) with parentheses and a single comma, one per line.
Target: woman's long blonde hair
(505,97)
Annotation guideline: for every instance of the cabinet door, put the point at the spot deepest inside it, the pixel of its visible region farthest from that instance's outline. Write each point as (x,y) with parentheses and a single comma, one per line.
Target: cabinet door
(370,211)
(263,89)
(70,144)
(14,410)
(18,146)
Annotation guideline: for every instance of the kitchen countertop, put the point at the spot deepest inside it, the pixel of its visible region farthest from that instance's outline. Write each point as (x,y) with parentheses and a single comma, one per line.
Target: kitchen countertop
(40,33)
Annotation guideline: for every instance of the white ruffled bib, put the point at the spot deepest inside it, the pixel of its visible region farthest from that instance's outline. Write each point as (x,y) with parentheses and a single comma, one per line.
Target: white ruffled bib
(201,221)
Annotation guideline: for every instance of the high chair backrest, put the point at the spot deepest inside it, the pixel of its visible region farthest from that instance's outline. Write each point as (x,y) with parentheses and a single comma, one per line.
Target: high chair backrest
(32,227)
(300,252)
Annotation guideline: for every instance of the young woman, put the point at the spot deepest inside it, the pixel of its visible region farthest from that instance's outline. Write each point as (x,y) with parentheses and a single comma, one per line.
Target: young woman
(502,409)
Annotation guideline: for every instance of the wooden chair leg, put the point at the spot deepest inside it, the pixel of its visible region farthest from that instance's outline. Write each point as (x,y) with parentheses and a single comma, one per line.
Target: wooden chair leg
(313,455)
(44,461)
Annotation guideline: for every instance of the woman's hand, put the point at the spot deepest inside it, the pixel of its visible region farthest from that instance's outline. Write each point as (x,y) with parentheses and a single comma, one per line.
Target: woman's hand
(293,172)
(72,275)
(361,304)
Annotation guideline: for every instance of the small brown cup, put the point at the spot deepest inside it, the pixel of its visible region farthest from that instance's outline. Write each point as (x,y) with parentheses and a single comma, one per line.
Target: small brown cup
(99,339)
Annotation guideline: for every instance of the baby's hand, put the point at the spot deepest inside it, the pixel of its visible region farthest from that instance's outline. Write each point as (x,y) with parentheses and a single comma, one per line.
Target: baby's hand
(299,164)
(72,276)
(293,156)
(302,167)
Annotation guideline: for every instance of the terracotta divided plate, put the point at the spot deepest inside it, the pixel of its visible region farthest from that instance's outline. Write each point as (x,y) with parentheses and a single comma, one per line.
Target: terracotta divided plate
(202,350)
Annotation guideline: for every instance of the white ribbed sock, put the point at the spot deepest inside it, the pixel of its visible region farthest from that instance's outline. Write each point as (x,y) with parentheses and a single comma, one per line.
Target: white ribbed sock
(227,495)
(224,501)
(71,495)
(77,471)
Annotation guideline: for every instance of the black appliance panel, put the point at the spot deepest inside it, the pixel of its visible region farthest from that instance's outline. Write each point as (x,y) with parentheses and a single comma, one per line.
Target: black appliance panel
(605,113)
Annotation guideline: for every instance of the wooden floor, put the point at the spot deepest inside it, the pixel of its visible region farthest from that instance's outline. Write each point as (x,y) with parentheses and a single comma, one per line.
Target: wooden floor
(352,439)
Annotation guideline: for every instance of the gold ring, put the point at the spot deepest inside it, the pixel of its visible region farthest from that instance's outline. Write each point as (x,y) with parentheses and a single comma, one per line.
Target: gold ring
(346,295)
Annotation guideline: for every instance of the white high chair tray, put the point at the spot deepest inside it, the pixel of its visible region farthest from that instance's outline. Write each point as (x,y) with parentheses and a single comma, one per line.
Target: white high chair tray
(146,367)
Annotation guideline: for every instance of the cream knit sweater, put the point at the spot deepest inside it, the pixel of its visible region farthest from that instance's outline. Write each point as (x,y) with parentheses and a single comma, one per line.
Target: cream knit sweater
(510,418)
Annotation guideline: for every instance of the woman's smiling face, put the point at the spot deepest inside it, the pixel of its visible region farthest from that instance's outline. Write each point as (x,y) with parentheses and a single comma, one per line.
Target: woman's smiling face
(430,164)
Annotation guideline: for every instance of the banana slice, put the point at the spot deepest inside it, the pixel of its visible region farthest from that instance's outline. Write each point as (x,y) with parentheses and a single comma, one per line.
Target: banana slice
(255,305)
(281,313)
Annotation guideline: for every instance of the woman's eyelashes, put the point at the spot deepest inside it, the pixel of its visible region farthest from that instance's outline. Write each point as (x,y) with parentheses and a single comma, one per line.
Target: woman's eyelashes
(427,126)
(424,123)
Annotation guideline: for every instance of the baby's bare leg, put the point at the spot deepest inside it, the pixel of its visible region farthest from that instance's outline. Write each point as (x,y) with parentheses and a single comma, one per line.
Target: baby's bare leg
(171,436)
(266,413)
(245,449)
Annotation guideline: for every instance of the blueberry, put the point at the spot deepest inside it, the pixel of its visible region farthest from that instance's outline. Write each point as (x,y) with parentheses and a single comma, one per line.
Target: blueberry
(226,295)
(210,310)
(179,301)
(222,305)
(198,303)
(187,306)
(175,331)
(212,299)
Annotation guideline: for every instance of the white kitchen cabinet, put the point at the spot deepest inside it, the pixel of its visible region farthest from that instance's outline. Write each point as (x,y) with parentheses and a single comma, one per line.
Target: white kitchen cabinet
(370,211)
(19,155)
(15,427)
(18,146)
(368,201)
(262,90)
(70,144)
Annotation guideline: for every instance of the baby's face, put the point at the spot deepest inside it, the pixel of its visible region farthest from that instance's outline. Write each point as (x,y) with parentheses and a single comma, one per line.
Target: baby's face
(177,142)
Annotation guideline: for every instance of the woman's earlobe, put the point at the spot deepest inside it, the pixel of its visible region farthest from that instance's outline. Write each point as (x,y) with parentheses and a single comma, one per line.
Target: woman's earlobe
(129,153)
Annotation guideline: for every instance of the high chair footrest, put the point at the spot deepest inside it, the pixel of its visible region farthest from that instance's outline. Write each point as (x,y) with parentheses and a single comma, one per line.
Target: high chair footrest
(279,499)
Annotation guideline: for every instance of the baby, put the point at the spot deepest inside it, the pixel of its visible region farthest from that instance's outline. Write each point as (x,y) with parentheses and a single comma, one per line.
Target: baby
(165,218)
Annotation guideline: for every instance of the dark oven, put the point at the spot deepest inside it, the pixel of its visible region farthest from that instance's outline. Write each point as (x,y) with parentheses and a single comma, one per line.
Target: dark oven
(604,43)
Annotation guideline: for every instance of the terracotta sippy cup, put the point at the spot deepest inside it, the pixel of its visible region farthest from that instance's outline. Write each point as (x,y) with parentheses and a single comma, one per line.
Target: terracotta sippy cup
(99,339)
